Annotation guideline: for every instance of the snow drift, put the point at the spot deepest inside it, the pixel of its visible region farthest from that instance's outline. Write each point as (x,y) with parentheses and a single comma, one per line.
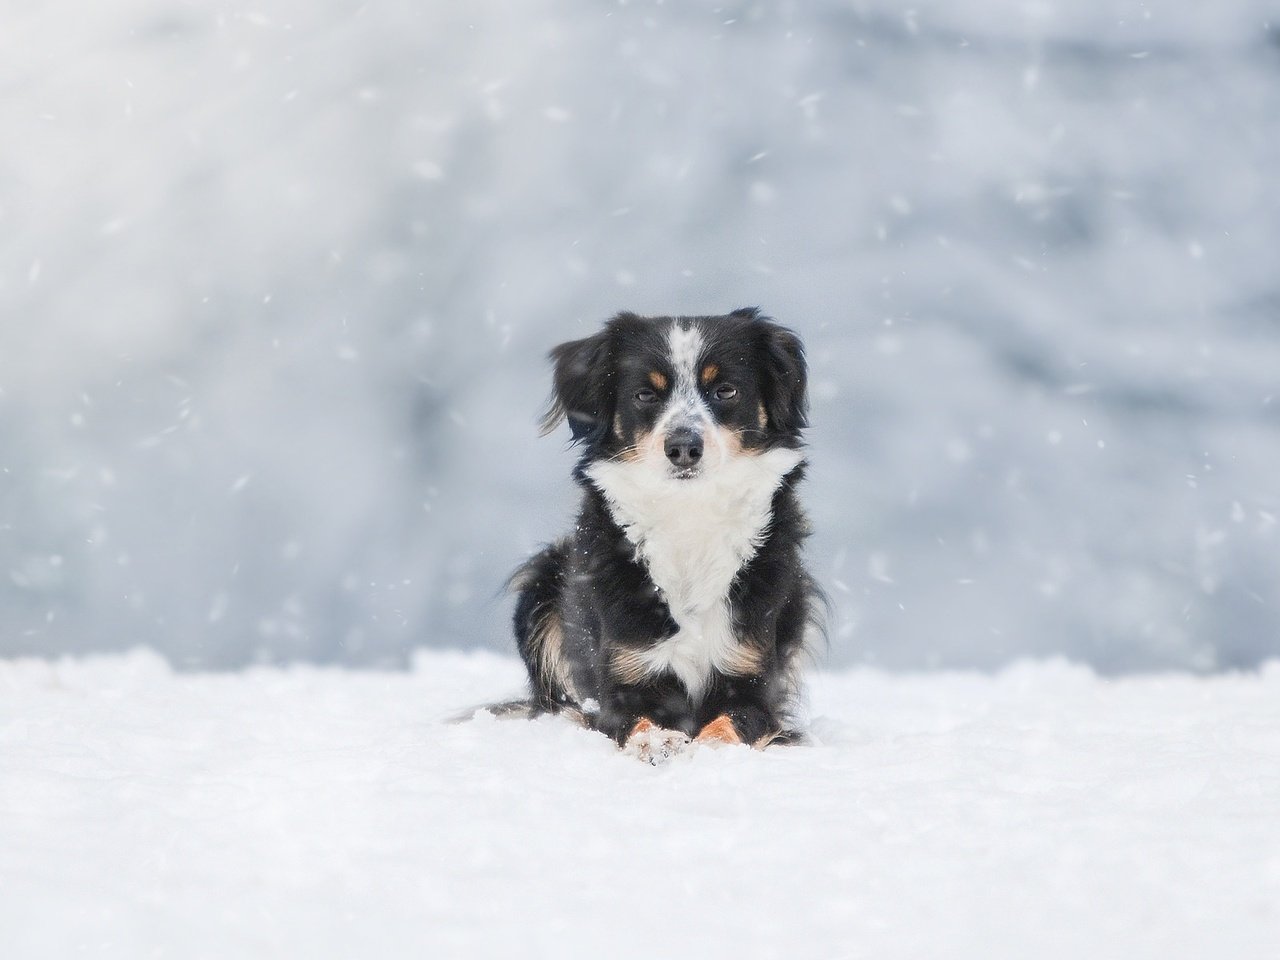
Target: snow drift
(1041,812)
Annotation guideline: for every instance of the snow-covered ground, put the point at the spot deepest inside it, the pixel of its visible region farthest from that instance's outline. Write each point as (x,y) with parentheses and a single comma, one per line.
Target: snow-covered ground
(1040,812)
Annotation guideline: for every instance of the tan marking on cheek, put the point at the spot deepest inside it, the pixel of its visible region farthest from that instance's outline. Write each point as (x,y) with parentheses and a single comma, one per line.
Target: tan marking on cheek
(719,730)
(732,441)
(638,448)
(709,373)
(648,446)
(658,380)
(762,418)
(728,442)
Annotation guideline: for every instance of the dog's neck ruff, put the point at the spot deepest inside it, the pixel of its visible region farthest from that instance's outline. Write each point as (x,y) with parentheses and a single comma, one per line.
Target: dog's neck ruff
(693,537)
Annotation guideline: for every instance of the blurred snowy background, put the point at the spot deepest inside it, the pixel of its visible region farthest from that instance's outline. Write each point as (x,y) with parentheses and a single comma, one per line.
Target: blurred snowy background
(277,279)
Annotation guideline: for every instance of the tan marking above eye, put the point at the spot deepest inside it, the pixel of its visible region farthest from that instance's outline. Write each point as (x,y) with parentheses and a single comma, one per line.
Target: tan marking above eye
(709,373)
(658,380)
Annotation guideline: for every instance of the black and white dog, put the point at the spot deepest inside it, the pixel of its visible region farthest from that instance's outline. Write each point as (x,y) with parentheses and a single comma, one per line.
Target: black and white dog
(679,606)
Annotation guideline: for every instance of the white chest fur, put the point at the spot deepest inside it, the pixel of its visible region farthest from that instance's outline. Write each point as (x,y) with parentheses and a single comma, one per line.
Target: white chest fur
(694,536)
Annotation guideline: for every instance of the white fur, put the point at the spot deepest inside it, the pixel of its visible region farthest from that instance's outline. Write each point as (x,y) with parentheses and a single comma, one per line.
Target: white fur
(685,342)
(685,408)
(694,535)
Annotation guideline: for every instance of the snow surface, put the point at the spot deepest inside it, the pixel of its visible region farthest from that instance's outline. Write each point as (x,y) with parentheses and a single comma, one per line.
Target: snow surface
(1041,812)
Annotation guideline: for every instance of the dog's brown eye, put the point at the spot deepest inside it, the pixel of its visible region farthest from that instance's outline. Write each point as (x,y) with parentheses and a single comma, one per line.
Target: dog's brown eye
(726,392)
(646,395)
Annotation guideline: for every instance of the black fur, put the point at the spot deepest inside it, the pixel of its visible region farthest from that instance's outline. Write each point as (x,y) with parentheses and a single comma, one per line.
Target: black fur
(590,594)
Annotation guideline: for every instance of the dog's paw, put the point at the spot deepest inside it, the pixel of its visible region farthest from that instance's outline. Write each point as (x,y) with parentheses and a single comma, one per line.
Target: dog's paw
(719,731)
(722,730)
(652,743)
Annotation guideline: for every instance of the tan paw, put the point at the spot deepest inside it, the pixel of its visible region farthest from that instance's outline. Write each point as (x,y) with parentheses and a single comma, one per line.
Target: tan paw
(720,730)
(652,743)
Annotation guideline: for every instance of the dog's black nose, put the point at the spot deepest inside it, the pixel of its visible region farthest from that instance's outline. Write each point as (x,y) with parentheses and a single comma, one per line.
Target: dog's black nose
(684,448)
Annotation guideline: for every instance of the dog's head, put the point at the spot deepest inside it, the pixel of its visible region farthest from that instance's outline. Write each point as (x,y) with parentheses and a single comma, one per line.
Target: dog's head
(681,396)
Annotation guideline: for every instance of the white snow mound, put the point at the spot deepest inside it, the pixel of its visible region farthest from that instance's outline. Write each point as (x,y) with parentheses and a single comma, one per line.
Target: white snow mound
(307,812)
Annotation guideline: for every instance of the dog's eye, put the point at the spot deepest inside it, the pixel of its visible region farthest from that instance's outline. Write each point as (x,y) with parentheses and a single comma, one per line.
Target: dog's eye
(646,395)
(726,392)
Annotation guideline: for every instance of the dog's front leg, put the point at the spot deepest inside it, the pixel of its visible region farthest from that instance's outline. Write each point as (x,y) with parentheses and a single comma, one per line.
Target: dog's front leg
(739,714)
(652,743)
(622,718)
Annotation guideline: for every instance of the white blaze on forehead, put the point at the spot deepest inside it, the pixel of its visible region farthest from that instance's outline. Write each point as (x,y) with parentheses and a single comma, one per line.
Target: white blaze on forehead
(685,345)
(684,340)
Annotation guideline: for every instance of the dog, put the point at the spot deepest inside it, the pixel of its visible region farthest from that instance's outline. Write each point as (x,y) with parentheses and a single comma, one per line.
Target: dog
(679,609)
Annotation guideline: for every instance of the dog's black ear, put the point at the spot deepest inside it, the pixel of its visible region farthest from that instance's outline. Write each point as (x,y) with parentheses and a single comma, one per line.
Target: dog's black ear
(786,376)
(579,386)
